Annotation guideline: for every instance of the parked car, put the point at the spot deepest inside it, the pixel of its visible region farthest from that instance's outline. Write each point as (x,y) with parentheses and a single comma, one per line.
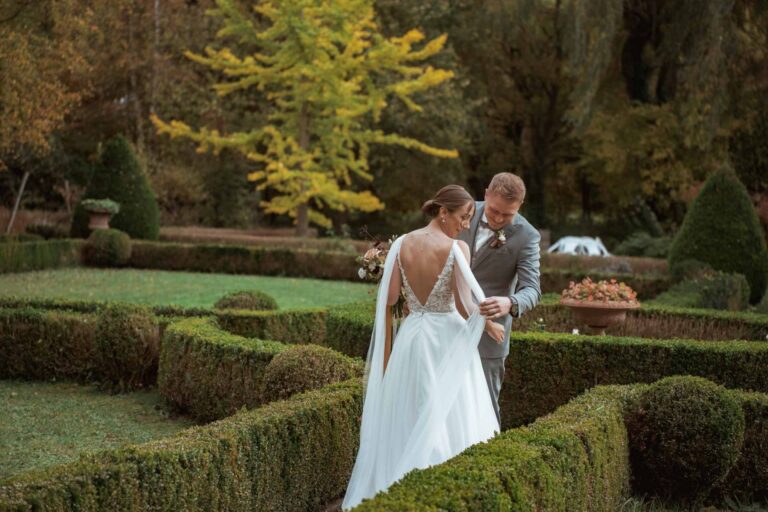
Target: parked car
(582,245)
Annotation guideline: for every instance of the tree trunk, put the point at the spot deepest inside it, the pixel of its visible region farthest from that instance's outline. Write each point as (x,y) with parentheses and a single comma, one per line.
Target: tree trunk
(302,212)
(18,203)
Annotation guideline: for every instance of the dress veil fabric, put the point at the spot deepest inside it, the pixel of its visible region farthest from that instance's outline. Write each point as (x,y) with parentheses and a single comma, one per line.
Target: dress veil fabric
(433,401)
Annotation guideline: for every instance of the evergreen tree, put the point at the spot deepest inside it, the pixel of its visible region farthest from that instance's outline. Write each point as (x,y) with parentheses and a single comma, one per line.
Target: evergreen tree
(120,178)
(721,228)
(328,73)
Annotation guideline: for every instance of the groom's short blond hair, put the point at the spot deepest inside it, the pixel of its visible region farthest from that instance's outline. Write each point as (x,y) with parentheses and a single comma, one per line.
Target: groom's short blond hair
(509,186)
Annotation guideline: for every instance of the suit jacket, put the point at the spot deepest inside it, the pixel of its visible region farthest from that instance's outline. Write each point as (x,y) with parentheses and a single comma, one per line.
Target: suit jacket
(511,270)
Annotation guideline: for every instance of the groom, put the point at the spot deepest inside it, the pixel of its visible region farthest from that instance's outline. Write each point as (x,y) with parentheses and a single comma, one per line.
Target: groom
(505,260)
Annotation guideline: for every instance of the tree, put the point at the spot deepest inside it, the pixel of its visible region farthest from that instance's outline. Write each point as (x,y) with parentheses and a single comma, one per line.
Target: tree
(327,72)
(721,229)
(120,178)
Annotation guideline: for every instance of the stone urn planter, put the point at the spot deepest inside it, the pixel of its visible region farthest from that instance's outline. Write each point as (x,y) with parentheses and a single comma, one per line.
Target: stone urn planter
(100,211)
(599,305)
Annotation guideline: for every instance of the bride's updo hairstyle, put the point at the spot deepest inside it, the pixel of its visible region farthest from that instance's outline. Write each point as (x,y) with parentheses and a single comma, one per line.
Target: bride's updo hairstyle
(452,197)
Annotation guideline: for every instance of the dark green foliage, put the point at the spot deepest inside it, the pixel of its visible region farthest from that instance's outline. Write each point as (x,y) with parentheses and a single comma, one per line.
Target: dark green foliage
(47,345)
(22,257)
(721,228)
(120,178)
(691,269)
(107,248)
(210,373)
(574,459)
(305,367)
(763,306)
(545,370)
(717,290)
(247,299)
(284,457)
(22,237)
(685,435)
(128,344)
(233,259)
(289,326)
(47,231)
(643,244)
(349,328)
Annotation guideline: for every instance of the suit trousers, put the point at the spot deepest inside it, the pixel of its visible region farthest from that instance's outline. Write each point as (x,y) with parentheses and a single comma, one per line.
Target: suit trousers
(493,367)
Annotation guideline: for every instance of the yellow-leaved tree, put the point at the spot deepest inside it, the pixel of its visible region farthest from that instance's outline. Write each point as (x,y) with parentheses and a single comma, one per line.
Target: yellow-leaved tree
(328,74)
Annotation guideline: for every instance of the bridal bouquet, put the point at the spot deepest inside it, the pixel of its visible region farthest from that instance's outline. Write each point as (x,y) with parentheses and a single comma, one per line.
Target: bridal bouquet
(372,269)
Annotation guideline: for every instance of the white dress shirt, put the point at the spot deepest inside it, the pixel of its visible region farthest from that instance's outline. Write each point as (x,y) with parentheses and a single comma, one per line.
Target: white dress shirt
(483,236)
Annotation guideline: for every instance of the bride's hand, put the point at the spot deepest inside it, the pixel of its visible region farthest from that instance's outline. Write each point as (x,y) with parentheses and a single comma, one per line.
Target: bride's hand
(495,331)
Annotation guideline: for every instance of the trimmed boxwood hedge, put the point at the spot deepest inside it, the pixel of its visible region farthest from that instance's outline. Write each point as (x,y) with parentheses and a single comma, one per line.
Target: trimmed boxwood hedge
(100,347)
(545,370)
(26,256)
(574,459)
(89,306)
(293,455)
(289,326)
(655,321)
(209,373)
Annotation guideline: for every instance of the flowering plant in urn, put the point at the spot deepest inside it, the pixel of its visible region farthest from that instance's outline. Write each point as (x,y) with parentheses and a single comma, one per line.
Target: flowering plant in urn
(599,304)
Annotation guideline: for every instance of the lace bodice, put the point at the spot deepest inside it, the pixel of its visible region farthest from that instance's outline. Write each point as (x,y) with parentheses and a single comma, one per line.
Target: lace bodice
(440,299)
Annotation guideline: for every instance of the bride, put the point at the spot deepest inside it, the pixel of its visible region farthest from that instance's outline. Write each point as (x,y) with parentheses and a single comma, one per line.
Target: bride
(426,400)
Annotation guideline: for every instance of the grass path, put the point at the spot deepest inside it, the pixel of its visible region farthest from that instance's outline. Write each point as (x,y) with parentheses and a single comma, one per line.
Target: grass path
(49,423)
(189,289)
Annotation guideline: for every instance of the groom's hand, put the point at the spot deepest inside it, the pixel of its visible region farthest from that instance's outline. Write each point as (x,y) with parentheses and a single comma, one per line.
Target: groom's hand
(495,307)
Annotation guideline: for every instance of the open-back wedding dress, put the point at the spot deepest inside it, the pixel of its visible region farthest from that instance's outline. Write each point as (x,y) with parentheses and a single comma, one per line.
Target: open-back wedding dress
(432,402)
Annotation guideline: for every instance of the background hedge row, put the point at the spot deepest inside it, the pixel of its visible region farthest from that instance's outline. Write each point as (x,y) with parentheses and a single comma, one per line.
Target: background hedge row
(292,455)
(545,370)
(655,321)
(26,256)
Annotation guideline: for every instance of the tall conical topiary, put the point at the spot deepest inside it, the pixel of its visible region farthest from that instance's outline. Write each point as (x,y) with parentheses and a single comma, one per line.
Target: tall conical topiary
(119,177)
(721,228)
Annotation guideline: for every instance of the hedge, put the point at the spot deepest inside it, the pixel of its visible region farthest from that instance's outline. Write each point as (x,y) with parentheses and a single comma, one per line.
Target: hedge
(47,345)
(574,459)
(294,455)
(56,345)
(655,321)
(209,373)
(26,256)
(545,370)
(231,259)
(90,306)
(289,326)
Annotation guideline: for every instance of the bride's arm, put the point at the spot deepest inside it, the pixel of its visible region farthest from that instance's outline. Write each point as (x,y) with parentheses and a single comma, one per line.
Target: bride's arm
(463,310)
(394,287)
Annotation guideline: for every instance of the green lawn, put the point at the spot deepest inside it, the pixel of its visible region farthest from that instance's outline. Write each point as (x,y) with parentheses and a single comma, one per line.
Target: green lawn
(189,289)
(43,424)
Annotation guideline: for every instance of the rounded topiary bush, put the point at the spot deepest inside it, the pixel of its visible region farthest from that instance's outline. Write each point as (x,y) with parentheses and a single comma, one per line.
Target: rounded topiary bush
(247,299)
(107,248)
(722,229)
(128,342)
(305,367)
(685,434)
(119,177)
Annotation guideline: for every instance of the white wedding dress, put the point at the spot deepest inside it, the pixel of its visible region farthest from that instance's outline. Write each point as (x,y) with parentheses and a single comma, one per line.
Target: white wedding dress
(433,401)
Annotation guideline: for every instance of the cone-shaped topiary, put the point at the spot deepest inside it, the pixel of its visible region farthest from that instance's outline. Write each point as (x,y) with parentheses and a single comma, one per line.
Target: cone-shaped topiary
(119,177)
(721,229)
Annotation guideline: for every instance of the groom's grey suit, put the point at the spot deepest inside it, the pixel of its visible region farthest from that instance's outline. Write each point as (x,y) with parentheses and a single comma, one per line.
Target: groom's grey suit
(511,270)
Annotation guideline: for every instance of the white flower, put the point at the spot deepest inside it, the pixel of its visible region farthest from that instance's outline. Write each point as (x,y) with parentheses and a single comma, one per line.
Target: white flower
(575,331)
(541,320)
(502,237)
(361,272)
